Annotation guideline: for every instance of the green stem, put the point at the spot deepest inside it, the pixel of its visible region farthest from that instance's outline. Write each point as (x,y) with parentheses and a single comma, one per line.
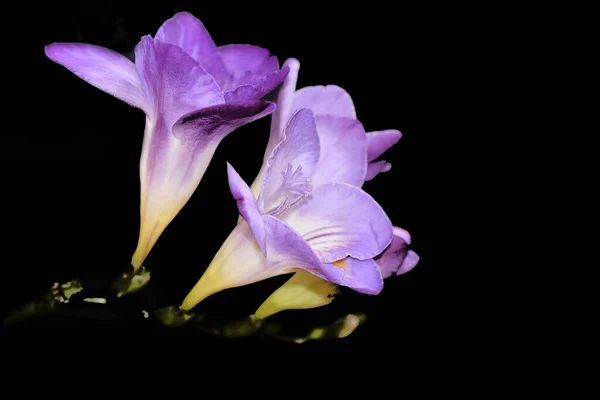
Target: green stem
(131,281)
(50,302)
(173,317)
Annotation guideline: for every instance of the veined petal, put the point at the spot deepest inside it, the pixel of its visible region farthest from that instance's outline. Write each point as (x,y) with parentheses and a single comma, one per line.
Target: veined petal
(174,160)
(245,64)
(214,123)
(361,275)
(380,141)
(173,81)
(248,206)
(189,34)
(325,100)
(302,291)
(343,156)
(377,167)
(339,220)
(258,90)
(103,68)
(397,259)
(280,117)
(240,261)
(287,176)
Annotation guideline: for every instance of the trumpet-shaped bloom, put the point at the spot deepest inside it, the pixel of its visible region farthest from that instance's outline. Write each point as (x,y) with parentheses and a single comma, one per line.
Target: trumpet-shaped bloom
(302,220)
(331,103)
(193,94)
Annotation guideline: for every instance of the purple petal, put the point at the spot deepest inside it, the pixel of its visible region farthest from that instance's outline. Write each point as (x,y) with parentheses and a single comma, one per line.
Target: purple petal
(287,249)
(287,175)
(395,259)
(189,34)
(375,168)
(361,275)
(245,65)
(174,82)
(258,90)
(325,100)
(212,124)
(340,220)
(285,97)
(380,141)
(410,261)
(103,68)
(343,156)
(247,205)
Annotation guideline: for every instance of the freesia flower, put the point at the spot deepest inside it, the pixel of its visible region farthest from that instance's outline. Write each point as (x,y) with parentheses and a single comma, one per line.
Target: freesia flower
(304,290)
(307,217)
(193,94)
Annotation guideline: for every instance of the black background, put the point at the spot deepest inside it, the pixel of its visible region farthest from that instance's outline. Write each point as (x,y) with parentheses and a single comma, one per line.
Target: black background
(70,156)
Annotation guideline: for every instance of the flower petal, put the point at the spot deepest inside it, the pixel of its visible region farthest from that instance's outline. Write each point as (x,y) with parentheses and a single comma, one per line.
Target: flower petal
(375,168)
(288,251)
(103,68)
(339,220)
(247,205)
(325,100)
(173,81)
(302,291)
(258,90)
(245,64)
(361,275)
(380,141)
(410,261)
(279,118)
(395,257)
(189,34)
(212,124)
(343,156)
(287,175)
(285,97)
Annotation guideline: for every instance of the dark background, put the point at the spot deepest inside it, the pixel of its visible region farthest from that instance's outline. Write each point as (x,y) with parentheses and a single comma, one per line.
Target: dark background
(70,153)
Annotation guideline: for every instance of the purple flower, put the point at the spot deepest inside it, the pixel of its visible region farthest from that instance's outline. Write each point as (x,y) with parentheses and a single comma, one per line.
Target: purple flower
(302,220)
(193,94)
(346,144)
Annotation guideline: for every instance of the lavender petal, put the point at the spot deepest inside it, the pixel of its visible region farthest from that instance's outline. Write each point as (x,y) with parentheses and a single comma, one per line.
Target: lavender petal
(343,156)
(325,100)
(377,167)
(173,81)
(380,141)
(103,68)
(361,275)
(189,34)
(244,65)
(248,206)
(258,90)
(395,259)
(339,220)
